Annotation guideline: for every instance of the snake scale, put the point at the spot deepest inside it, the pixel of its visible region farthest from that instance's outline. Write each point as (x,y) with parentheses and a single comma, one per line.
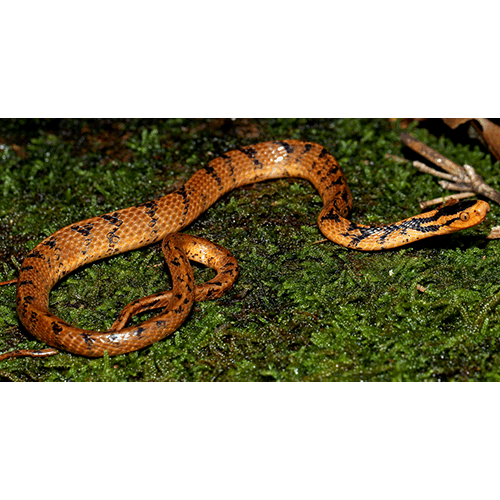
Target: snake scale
(123,230)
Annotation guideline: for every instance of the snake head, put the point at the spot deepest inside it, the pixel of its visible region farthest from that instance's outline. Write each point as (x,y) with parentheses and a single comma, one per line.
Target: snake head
(462,215)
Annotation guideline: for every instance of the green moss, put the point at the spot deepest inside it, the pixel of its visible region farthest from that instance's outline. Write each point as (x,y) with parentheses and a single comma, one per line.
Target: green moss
(303,308)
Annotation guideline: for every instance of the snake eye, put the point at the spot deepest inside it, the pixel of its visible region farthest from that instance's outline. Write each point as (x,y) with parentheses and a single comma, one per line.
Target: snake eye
(464,216)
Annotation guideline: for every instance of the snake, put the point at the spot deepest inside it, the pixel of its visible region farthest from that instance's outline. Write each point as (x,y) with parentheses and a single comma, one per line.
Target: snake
(163,218)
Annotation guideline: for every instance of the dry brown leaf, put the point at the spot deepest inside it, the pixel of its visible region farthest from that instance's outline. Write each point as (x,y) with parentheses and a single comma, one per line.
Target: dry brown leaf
(487,130)
(491,134)
(495,233)
(453,123)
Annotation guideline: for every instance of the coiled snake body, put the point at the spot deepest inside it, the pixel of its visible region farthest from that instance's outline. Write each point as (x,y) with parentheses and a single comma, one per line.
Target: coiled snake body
(87,241)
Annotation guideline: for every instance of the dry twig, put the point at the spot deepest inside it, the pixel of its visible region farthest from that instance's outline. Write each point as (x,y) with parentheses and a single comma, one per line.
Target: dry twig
(464,179)
(458,178)
(10,282)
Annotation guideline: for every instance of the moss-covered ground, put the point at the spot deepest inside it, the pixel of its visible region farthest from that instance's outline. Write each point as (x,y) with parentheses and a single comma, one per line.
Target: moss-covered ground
(302,309)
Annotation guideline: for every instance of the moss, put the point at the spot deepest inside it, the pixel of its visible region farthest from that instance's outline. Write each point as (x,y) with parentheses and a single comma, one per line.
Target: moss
(302,309)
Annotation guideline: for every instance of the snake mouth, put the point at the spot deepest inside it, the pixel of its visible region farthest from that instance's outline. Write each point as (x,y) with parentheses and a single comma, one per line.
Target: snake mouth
(485,207)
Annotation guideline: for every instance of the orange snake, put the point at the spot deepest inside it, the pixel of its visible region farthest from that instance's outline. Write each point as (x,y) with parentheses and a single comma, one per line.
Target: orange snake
(98,237)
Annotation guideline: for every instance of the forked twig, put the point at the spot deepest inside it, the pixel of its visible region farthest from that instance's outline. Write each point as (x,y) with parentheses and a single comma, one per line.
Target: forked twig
(464,179)
(458,178)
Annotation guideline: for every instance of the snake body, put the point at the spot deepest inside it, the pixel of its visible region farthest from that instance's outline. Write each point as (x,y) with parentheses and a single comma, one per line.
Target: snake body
(123,230)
